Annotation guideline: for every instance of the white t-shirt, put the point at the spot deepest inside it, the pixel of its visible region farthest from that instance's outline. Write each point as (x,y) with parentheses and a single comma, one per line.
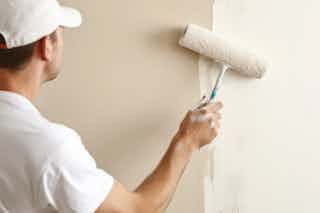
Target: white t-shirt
(44,167)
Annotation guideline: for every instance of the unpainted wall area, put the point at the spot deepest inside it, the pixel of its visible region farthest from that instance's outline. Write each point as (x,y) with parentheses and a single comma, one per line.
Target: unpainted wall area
(125,86)
(271,127)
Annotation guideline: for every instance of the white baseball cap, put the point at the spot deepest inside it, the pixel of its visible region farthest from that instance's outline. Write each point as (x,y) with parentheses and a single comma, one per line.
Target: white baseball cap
(23,22)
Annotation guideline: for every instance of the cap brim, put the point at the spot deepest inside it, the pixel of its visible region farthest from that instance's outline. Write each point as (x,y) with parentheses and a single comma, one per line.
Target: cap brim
(70,17)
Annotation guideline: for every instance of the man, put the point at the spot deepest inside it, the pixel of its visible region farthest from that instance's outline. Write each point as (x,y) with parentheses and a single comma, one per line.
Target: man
(43,165)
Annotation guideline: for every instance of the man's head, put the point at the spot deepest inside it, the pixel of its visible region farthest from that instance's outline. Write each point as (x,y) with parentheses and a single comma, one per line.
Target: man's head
(31,35)
(46,52)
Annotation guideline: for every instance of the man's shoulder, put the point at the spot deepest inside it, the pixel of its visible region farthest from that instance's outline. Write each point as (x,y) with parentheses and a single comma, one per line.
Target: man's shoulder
(57,131)
(50,136)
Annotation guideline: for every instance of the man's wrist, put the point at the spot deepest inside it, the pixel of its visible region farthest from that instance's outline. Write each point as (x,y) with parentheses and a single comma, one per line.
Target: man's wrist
(184,143)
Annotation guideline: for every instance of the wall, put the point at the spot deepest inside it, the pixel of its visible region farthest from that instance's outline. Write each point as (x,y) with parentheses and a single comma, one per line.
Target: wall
(270,155)
(125,86)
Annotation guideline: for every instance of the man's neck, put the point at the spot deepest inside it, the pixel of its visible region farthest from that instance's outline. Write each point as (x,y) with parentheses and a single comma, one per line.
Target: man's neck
(23,82)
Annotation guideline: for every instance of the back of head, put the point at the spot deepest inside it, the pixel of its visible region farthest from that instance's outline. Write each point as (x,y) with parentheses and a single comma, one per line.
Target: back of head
(15,59)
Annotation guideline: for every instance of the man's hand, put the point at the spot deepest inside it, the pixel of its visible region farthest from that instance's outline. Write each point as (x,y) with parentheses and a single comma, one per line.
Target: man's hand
(198,129)
(201,126)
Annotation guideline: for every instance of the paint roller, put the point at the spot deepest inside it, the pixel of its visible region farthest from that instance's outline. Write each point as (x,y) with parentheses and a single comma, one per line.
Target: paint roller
(227,55)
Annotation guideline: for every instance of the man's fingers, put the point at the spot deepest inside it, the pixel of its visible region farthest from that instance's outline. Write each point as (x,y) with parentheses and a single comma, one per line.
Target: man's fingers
(209,109)
(206,116)
(212,107)
(203,117)
(217,115)
(215,123)
(214,131)
(216,107)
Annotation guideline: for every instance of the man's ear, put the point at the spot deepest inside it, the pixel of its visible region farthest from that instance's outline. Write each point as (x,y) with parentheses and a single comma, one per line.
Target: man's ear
(45,48)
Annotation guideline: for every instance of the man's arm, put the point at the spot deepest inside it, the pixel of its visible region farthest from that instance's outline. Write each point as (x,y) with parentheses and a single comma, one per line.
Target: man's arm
(155,193)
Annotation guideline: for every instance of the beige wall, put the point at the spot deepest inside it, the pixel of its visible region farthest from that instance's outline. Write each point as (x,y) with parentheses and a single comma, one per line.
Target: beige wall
(271,127)
(125,85)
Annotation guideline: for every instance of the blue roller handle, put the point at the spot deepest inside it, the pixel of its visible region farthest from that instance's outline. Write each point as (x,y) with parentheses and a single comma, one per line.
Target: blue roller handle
(214,92)
(213,95)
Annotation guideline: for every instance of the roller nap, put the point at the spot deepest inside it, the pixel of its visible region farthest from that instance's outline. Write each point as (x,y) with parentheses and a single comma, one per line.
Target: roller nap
(209,44)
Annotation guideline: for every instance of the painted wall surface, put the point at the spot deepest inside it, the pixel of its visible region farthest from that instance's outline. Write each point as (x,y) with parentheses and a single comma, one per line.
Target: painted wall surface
(126,85)
(270,156)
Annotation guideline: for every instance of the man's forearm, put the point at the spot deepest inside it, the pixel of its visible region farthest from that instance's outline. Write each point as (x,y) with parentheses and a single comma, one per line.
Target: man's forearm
(160,186)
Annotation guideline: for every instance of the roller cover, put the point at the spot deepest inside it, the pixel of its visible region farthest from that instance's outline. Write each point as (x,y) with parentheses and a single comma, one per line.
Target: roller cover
(209,44)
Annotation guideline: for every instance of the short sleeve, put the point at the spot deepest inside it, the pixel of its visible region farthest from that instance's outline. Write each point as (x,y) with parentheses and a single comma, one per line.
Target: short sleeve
(71,182)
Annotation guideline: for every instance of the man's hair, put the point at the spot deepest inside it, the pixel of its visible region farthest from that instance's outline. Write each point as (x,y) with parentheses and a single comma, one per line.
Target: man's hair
(16,59)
